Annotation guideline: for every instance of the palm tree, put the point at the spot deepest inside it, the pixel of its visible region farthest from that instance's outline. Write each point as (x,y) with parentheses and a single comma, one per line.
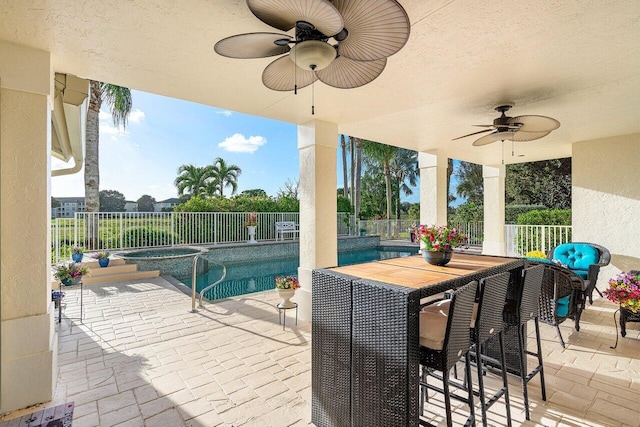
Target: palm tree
(119,100)
(345,187)
(382,155)
(404,167)
(192,179)
(224,175)
(358,173)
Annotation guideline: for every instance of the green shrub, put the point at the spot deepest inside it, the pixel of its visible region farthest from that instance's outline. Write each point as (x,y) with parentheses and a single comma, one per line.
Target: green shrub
(511,212)
(148,236)
(545,217)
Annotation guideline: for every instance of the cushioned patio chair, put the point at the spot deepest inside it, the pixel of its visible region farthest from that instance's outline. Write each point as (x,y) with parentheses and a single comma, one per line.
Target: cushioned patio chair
(562,297)
(584,259)
(444,339)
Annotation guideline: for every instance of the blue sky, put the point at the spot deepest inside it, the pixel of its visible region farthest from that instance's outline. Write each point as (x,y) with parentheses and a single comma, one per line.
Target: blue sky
(164,133)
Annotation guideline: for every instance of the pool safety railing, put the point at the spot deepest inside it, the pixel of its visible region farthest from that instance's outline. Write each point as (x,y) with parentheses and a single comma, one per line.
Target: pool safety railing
(194,280)
(207,288)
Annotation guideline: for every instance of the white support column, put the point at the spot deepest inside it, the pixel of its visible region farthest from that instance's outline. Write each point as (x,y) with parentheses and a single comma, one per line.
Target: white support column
(494,191)
(433,188)
(318,144)
(28,350)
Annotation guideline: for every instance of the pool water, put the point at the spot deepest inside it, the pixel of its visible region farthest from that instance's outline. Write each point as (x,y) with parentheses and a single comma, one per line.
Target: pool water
(246,278)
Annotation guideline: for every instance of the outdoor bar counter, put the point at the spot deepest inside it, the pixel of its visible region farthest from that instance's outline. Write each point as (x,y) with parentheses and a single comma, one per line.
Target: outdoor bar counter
(365,351)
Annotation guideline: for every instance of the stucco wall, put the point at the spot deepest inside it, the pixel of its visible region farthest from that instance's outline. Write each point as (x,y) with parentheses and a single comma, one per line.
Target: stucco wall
(28,346)
(606,199)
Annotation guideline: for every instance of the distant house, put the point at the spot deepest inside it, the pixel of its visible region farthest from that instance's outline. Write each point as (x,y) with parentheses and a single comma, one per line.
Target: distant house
(166,205)
(130,206)
(68,207)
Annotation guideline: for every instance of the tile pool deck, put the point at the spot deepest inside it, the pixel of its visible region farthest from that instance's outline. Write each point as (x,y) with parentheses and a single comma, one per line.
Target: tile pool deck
(140,358)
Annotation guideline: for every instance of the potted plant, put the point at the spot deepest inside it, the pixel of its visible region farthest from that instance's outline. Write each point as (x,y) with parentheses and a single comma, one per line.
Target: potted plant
(413,233)
(77,254)
(252,223)
(438,242)
(363,232)
(69,273)
(286,287)
(102,257)
(624,289)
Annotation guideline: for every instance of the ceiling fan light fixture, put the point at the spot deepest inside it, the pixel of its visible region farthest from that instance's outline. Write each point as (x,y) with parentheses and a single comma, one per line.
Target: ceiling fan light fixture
(312,55)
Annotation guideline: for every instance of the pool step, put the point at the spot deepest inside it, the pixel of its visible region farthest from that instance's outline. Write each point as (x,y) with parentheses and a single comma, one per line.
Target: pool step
(96,271)
(119,277)
(89,263)
(116,271)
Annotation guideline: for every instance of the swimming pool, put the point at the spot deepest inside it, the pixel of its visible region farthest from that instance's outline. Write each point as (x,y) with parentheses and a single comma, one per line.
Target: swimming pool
(246,278)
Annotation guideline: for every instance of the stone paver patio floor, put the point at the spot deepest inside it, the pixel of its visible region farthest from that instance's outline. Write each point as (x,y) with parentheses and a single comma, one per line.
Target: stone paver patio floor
(140,358)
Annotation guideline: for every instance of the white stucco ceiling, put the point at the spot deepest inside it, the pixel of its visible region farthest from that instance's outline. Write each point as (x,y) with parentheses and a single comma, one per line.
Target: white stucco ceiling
(576,61)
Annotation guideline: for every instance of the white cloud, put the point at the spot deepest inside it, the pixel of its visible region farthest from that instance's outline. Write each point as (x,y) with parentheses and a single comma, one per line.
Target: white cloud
(106,122)
(136,116)
(238,143)
(225,113)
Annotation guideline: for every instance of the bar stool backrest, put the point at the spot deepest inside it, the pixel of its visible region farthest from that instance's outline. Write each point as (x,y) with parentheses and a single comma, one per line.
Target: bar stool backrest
(493,292)
(529,303)
(457,340)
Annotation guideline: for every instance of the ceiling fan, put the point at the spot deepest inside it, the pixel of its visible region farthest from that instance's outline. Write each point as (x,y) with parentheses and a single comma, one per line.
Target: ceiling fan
(343,43)
(519,128)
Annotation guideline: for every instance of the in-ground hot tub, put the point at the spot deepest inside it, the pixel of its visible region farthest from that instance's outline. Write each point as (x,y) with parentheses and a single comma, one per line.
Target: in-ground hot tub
(176,261)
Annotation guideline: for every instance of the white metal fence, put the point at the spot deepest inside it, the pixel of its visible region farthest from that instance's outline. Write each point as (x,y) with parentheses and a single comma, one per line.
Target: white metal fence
(132,230)
(395,229)
(520,239)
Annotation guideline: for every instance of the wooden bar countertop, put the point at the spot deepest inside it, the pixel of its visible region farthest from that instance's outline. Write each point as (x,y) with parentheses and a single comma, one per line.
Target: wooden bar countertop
(414,272)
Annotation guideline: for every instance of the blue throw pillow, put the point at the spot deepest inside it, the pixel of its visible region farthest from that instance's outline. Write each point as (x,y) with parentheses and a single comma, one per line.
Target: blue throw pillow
(562,306)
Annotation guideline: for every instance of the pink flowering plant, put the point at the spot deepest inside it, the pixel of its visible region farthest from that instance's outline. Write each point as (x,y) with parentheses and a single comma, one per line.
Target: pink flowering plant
(440,238)
(624,289)
(287,282)
(69,271)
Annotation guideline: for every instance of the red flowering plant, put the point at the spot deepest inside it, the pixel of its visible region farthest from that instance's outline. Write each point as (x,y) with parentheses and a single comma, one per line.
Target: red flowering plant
(440,238)
(287,282)
(252,220)
(624,289)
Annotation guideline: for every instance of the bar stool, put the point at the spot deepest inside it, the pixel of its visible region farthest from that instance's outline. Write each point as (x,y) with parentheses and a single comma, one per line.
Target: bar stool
(486,323)
(444,339)
(517,312)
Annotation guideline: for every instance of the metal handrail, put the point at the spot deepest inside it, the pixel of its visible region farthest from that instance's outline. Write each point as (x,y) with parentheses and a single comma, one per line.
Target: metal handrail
(224,274)
(193,284)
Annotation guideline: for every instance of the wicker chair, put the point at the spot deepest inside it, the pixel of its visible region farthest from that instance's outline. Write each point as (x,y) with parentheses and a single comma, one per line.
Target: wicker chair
(572,255)
(488,324)
(517,313)
(562,297)
(444,339)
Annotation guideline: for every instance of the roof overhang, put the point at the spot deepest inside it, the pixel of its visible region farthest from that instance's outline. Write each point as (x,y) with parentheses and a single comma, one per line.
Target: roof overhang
(578,62)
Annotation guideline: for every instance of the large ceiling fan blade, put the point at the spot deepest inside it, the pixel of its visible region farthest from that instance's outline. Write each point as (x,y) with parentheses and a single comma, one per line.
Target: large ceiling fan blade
(252,45)
(376,28)
(345,73)
(474,133)
(521,136)
(283,14)
(493,137)
(283,75)
(536,123)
